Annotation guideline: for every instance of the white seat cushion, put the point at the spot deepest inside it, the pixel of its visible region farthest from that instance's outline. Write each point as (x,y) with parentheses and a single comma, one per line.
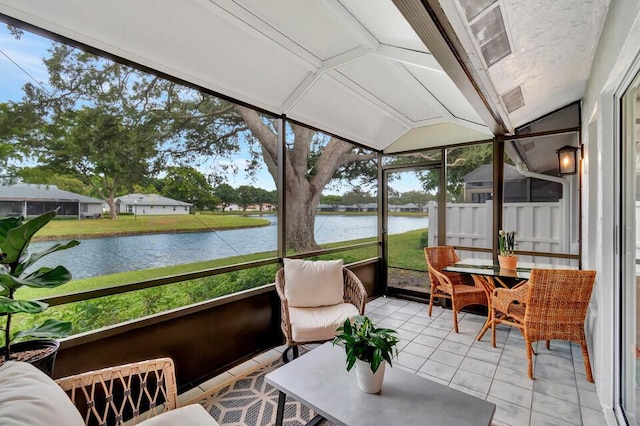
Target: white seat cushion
(317,324)
(310,284)
(192,415)
(30,397)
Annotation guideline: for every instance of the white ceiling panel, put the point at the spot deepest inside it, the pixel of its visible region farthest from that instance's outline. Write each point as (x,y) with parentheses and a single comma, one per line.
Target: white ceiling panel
(299,21)
(250,68)
(329,101)
(443,89)
(385,22)
(388,80)
(339,65)
(436,135)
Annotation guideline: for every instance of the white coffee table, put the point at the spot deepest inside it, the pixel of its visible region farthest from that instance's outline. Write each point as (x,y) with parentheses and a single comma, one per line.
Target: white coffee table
(319,380)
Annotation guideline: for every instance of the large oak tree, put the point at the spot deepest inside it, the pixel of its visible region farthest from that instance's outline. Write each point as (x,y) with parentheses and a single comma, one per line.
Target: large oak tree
(114,125)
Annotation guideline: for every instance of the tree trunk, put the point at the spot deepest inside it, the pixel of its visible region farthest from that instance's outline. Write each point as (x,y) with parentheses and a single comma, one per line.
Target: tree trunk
(112,206)
(302,206)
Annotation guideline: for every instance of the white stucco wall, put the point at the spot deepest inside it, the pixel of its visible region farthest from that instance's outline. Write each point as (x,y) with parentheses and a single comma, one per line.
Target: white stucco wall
(614,59)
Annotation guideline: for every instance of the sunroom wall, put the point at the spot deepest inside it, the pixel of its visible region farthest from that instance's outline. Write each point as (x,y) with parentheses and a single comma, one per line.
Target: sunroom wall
(616,52)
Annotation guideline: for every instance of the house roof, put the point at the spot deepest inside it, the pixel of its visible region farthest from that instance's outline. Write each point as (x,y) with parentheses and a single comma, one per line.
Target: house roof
(150,200)
(484,173)
(41,192)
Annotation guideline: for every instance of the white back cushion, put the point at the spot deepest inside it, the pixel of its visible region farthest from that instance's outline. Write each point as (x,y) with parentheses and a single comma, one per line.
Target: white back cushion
(311,284)
(30,397)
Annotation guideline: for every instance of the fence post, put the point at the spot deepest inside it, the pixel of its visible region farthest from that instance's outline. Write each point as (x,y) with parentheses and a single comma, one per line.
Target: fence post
(433,223)
(488,229)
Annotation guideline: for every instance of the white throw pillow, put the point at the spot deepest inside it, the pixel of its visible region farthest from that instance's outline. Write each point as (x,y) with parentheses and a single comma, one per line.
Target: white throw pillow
(192,415)
(310,284)
(30,397)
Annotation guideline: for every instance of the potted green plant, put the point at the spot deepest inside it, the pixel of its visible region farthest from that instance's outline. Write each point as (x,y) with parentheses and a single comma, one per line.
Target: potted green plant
(506,243)
(369,349)
(16,271)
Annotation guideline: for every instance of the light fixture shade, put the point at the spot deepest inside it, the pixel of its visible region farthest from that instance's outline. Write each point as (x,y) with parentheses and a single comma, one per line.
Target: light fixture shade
(567,160)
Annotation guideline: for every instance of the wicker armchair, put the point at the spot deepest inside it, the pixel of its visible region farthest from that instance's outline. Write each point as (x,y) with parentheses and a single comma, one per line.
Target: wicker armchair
(449,285)
(551,305)
(131,393)
(354,293)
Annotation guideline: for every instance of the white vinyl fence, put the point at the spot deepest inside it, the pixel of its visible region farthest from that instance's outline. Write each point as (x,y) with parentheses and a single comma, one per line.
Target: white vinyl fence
(544,227)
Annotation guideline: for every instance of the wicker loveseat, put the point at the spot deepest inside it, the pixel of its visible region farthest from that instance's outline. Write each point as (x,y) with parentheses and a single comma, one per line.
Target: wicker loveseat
(142,393)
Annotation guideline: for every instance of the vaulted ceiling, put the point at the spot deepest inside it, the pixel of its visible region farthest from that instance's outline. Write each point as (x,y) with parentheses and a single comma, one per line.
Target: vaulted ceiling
(370,71)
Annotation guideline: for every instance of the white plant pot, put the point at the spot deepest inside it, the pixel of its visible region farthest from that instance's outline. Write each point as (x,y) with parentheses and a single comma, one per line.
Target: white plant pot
(369,381)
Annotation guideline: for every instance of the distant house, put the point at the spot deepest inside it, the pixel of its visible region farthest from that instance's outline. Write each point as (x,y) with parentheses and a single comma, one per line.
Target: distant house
(151,204)
(478,186)
(35,199)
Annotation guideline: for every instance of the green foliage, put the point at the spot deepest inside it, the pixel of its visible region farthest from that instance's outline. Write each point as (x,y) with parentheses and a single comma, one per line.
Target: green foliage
(333,200)
(358,197)
(419,198)
(92,314)
(460,162)
(424,239)
(189,185)
(363,341)
(507,242)
(226,194)
(15,236)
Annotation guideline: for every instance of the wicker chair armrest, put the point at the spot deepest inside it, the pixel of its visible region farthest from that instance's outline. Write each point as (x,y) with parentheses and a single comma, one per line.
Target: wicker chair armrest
(354,291)
(285,322)
(96,391)
(502,298)
(280,284)
(442,280)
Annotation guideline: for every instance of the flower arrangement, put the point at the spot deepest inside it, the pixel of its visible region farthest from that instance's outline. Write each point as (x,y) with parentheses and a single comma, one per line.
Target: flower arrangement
(507,243)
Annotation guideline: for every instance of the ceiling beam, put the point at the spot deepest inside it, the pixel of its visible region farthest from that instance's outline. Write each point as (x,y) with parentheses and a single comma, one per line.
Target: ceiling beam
(242,18)
(328,65)
(409,57)
(430,24)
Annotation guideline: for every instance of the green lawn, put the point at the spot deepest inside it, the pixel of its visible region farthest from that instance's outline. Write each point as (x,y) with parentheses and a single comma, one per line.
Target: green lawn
(131,225)
(404,251)
(95,313)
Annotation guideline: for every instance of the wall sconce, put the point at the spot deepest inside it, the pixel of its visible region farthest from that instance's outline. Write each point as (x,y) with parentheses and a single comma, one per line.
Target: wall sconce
(568,160)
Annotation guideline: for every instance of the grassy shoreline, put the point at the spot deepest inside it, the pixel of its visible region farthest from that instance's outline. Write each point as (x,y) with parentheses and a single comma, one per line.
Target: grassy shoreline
(127,225)
(143,225)
(405,251)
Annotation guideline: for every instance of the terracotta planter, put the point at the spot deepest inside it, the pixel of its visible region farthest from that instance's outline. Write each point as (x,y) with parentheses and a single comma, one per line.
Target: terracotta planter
(508,262)
(44,362)
(368,381)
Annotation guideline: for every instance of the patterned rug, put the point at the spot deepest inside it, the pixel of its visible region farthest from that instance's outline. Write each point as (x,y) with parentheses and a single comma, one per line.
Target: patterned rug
(248,400)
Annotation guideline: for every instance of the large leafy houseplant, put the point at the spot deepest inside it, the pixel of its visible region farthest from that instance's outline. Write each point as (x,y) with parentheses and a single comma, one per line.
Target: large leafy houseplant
(363,341)
(15,272)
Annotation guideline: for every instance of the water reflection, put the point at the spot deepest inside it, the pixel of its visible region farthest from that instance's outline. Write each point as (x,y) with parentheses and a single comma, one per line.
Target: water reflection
(103,256)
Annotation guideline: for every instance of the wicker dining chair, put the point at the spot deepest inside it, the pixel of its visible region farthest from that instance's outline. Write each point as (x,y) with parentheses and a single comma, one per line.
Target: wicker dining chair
(450,285)
(354,294)
(551,305)
(138,390)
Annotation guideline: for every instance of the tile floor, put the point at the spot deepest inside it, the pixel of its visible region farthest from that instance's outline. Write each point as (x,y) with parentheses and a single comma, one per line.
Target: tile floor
(560,395)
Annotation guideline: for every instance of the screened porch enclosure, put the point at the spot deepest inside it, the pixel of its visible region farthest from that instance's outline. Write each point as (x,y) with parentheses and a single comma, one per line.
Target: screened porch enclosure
(458,194)
(375,114)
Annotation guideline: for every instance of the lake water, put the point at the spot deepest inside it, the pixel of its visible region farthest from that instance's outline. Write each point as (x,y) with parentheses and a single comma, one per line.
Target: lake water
(101,256)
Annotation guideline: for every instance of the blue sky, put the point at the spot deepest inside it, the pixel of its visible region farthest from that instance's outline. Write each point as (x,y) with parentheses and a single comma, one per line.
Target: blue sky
(21,62)
(27,53)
